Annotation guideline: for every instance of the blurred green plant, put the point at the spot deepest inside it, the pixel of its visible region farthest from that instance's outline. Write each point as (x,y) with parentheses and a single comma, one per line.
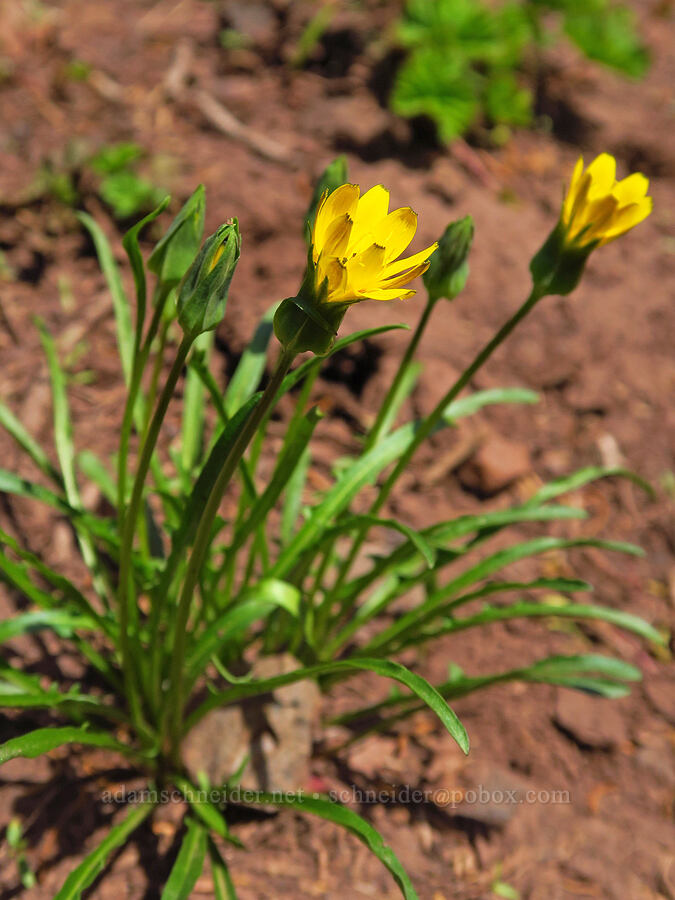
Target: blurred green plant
(113,169)
(467,58)
(17,845)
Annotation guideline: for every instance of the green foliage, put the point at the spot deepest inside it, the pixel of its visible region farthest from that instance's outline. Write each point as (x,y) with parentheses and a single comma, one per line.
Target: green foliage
(467,58)
(182,597)
(113,169)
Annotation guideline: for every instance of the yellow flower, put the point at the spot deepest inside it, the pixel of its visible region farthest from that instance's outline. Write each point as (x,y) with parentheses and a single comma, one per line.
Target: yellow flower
(598,208)
(356,243)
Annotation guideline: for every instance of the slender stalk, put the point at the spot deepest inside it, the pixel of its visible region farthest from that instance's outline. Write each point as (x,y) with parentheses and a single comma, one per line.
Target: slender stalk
(429,424)
(141,354)
(174,698)
(376,431)
(126,593)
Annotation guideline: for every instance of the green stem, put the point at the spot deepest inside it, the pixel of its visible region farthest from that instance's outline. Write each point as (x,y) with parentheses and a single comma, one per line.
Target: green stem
(174,699)
(428,425)
(376,431)
(126,592)
(140,359)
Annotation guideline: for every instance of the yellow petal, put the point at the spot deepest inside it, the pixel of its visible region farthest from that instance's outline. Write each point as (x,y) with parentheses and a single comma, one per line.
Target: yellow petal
(409,262)
(572,192)
(387,294)
(626,218)
(365,268)
(406,277)
(342,201)
(337,236)
(373,205)
(396,231)
(603,175)
(577,218)
(598,215)
(631,189)
(336,273)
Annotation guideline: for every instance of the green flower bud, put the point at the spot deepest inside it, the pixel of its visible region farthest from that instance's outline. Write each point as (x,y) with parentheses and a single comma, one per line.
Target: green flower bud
(202,296)
(448,267)
(175,252)
(557,268)
(332,177)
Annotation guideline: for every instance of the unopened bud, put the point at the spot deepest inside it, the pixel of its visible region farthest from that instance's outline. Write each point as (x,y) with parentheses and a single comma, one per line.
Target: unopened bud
(202,296)
(449,267)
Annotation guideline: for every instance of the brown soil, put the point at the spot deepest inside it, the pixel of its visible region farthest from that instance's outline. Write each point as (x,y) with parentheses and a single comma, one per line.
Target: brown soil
(602,361)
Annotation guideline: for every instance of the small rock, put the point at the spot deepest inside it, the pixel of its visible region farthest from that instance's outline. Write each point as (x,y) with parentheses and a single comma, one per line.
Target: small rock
(660,691)
(254,20)
(274,732)
(658,761)
(592,721)
(492,794)
(496,464)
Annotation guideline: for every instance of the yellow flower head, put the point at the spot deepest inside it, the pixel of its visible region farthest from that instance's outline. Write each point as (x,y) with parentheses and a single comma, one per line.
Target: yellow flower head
(356,243)
(598,208)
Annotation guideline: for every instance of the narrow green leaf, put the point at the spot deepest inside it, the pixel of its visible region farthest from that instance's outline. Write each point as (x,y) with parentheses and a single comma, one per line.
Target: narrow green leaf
(386,668)
(10,483)
(416,538)
(467,406)
(28,444)
(92,865)
(376,602)
(617,617)
(361,472)
(111,272)
(296,442)
(249,371)
(403,390)
(442,534)
(316,362)
(96,471)
(293,499)
(205,810)
(266,596)
(223,887)
(65,450)
(484,569)
(583,476)
(189,863)
(58,620)
(35,743)
(192,426)
(364,831)
(133,250)
(185,532)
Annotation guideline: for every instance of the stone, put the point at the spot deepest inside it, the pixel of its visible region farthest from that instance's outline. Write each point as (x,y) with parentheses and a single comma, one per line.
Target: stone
(275,732)
(591,721)
(496,464)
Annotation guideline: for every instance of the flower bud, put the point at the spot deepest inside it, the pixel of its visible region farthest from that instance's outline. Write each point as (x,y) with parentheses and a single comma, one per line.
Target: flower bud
(202,296)
(175,251)
(448,267)
(332,177)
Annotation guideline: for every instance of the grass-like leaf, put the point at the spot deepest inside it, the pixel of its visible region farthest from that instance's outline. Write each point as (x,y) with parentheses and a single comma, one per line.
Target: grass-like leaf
(93,864)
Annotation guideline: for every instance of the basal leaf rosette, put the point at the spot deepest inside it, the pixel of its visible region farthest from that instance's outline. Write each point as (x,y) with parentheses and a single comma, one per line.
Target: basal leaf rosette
(354,255)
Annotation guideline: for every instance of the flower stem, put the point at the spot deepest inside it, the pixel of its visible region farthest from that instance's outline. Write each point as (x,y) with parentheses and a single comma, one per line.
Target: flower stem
(174,698)
(428,425)
(126,592)
(376,431)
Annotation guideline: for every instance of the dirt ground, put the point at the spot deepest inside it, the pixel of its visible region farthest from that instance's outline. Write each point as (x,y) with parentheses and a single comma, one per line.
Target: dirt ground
(602,772)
